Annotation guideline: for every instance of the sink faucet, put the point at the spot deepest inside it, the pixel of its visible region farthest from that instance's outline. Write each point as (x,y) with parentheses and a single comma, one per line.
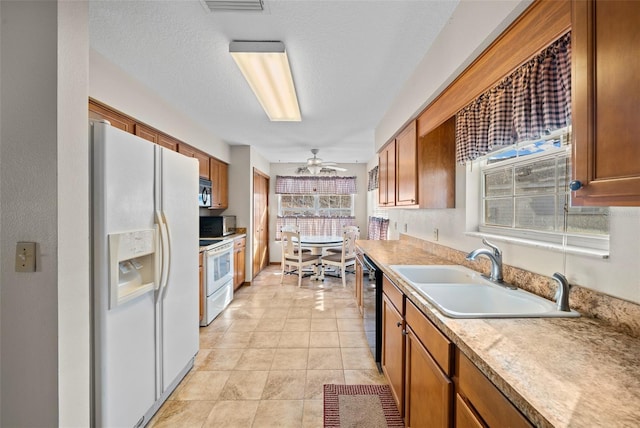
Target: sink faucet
(562,294)
(495,255)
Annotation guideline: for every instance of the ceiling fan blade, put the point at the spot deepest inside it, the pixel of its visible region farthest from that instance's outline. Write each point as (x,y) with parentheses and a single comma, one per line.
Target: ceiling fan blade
(336,168)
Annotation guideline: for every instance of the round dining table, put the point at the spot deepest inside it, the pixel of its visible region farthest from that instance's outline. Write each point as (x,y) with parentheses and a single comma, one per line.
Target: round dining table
(317,242)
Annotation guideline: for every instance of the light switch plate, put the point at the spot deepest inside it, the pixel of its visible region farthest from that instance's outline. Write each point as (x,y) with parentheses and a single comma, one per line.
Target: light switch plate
(26,257)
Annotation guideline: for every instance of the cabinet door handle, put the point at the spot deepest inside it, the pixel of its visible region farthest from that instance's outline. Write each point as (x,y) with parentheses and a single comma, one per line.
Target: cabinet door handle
(399,324)
(405,332)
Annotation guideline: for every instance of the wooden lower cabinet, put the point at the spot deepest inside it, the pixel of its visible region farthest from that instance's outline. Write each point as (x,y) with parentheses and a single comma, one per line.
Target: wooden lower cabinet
(359,283)
(465,417)
(239,257)
(484,398)
(432,382)
(393,347)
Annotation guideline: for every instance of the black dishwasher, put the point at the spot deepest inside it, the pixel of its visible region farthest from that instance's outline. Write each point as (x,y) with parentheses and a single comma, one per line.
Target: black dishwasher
(372,308)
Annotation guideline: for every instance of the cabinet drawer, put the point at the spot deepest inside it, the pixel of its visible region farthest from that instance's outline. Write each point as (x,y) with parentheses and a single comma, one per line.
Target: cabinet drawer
(393,293)
(440,348)
(240,242)
(493,407)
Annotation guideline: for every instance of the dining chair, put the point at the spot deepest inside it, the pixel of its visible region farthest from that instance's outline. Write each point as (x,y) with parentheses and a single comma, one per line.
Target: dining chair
(346,257)
(337,250)
(293,256)
(294,228)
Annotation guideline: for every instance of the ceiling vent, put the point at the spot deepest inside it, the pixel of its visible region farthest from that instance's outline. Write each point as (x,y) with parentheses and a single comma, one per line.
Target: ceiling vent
(234,5)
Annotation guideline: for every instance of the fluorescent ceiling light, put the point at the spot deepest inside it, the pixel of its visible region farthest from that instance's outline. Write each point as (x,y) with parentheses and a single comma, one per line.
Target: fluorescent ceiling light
(266,68)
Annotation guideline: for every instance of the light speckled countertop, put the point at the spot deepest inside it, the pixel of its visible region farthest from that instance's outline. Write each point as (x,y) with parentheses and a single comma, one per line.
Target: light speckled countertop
(566,372)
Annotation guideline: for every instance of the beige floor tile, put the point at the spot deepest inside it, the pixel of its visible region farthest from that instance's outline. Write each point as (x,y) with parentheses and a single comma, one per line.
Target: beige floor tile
(264,339)
(271,324)
(201,357)
(357,359)
(233,340)
(209,339)
(297,324)
(364,377)
(203,385)
(323,313)
(276,312)
(232,414)
(279,413)
(313,414)
(316,379)
(244,385)
(348,313)
(256,359)
(294,339)
(350,324)
(324,339)
(222,359)
(295,312)
(353,339)
(290,359)
(243,325)
(284,385)
(218,325)
(323,324)
(324,359)
(184,414)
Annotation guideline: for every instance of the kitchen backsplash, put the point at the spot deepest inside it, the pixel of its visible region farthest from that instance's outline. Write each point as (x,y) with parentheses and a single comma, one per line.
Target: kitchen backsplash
(620,314)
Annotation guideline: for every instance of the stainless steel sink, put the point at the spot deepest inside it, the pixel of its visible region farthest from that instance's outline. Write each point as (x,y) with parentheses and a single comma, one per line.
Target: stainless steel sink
(459,292)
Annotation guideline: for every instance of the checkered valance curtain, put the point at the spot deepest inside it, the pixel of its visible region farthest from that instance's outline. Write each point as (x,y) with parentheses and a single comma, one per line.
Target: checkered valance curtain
(377,228)
(295,185)
(531,102)
(373,179)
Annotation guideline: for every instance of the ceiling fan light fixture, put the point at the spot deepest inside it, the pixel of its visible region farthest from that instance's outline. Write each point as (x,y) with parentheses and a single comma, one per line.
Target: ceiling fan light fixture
(314,169)
(265,66)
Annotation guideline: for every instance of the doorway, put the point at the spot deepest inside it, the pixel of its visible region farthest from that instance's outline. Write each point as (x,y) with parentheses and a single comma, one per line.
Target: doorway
(260,221)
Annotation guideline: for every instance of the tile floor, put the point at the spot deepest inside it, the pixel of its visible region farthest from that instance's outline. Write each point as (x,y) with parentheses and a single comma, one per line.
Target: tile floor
(263,361)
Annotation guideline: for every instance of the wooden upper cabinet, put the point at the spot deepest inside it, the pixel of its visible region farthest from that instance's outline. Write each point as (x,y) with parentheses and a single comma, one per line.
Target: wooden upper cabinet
(219,173)
(606,96)
(117,119)
(387,175)
(146,132)
(168,142)
(437,166)
(203,158)
(406,166)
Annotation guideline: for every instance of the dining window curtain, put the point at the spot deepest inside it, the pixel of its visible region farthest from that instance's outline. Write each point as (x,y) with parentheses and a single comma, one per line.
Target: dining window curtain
(529,103)
(295,185)
(305,185)
(377,228)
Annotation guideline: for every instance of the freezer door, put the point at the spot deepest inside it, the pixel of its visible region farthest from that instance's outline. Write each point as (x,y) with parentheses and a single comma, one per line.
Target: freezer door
(179,299)
(124,337)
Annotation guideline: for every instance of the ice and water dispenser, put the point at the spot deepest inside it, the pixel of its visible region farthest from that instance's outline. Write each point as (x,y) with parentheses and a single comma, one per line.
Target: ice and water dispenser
(132,265)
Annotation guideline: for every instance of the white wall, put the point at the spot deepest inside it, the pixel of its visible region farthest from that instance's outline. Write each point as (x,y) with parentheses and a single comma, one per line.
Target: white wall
(74,326)
(357,169)
(28,189)
(454,50)
(109,84)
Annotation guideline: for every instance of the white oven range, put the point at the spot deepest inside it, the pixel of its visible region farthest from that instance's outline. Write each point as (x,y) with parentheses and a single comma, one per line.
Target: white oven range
(218,277)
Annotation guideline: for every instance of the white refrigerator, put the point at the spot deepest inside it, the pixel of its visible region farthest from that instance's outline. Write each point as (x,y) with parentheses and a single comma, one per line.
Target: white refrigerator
(145,274)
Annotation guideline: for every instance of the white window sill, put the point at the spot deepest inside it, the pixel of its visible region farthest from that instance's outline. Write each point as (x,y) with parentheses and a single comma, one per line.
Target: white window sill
(581,251)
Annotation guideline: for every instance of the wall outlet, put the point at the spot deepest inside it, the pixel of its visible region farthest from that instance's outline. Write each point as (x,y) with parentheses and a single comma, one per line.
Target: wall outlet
(26,257)
(435,233)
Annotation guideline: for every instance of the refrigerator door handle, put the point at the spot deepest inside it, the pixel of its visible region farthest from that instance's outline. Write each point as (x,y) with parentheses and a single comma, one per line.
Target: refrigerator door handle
(166,255)
(164,270)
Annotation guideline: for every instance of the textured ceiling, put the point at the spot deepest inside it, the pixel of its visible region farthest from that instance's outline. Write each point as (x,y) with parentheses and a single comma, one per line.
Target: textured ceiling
(349,59)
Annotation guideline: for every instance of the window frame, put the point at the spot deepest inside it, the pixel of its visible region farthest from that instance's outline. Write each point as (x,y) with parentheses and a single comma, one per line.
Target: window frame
(570,242)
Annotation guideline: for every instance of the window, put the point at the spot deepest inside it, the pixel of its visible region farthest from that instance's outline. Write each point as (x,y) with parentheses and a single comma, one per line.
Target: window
(317,205)
(524,192)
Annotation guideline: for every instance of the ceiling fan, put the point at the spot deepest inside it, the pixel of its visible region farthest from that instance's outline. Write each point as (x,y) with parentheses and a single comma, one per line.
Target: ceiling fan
(315,165)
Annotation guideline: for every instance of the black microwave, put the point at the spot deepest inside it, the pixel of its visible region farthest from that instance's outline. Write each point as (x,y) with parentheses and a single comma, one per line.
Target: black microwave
(215,226)
(204,194)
